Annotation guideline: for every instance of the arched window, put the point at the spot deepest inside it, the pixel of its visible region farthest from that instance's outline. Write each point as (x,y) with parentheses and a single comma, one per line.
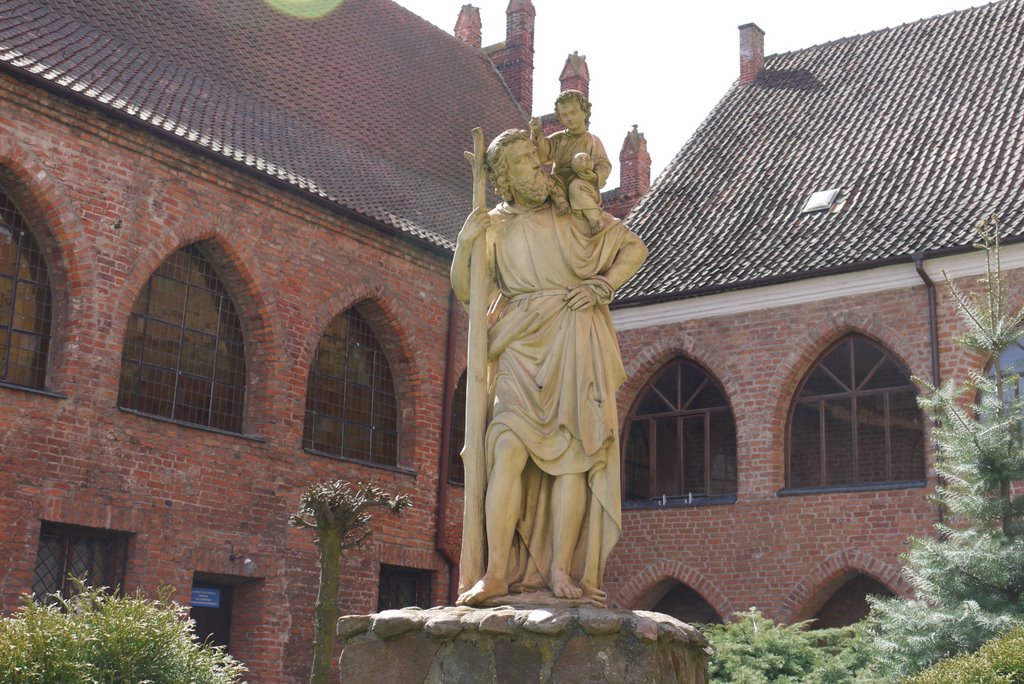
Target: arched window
(680,438)
(25,309)
(457,433)
(184,357)
(351,407)
(1011,363)
(855,420)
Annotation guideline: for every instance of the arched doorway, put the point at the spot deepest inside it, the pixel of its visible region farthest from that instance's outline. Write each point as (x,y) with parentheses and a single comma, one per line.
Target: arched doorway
(848,604)
(680,601)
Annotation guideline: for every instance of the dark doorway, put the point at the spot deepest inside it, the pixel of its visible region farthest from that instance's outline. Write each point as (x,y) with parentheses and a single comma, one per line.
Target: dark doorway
(849,604)
(683,603)
(211,610)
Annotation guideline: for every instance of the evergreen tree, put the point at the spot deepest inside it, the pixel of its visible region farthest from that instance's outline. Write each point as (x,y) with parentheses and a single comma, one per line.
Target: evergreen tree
(969,581)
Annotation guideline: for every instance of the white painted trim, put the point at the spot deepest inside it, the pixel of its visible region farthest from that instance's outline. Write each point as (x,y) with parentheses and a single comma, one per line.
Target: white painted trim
(811,290)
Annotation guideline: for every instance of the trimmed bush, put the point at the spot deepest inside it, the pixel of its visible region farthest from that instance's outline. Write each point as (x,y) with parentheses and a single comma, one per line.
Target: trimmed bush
(1000,661)
(755,650)
(94,637)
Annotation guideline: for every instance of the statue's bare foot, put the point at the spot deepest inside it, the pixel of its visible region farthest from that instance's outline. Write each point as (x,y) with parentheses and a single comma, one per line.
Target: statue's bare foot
(595,595)
(486,588)
(563,587)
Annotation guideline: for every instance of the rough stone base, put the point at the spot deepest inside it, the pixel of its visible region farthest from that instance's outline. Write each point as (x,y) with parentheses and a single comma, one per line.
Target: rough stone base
(507,644)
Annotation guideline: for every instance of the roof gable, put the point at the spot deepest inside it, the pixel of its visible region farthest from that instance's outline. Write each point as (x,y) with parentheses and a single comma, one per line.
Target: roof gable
(368,106)
(921,126)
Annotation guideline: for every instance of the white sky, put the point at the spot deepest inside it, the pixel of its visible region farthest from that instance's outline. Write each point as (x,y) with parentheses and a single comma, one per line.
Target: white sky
(664,64)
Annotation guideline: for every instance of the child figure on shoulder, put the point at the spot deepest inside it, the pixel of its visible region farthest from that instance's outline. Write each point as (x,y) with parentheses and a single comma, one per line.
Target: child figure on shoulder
(581,164)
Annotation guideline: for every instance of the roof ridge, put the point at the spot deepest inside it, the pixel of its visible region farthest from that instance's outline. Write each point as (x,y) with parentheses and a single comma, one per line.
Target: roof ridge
(920,126)
(884,29)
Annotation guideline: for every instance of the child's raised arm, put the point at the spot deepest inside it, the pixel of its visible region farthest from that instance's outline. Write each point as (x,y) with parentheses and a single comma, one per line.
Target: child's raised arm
(541,143)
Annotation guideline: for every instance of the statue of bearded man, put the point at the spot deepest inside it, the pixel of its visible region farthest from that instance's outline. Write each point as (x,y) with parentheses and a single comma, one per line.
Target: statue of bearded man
(551,503)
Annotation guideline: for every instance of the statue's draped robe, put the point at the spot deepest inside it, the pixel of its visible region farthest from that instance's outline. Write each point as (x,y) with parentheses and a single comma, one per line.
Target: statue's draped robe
(553,377)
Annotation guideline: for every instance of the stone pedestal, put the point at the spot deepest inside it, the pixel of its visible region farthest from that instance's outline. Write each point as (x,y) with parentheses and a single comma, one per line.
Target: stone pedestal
(520,645)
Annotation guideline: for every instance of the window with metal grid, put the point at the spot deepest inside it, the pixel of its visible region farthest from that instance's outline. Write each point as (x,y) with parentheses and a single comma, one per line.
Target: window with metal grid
(97,557)
(680,437)
(351,407)
(184,356)
(403,587)
(457,433)
(25,306)
(1011,367)
(855,420)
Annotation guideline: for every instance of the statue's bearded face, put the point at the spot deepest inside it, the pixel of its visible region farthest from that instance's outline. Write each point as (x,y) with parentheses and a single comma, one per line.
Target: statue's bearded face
(526,177)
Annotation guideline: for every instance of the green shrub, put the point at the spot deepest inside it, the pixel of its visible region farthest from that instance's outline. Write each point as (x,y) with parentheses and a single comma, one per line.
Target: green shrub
(93,637)
(968,579)
(1000,661)
(755,650)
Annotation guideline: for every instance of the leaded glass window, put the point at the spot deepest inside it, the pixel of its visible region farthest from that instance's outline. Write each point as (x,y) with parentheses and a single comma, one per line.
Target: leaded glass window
(96,557)
(25,304)
(351,406)
(184,356)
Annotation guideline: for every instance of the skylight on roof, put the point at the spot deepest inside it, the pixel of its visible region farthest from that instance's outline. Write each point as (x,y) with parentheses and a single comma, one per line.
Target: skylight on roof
(821,200)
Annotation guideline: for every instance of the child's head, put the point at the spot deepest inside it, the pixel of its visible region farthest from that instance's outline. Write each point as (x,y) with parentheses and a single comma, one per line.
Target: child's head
(569,97)
(581,161)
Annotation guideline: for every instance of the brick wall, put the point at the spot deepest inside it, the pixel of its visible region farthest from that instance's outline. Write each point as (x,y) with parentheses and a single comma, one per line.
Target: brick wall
(783,554)
(108,204)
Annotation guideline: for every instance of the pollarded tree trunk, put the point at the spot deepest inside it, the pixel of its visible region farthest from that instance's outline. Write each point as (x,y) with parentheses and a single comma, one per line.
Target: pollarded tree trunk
(339,516)
(325,620)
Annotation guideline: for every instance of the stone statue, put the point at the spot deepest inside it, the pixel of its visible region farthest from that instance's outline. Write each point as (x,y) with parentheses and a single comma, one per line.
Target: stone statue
(581,166)
(542,451)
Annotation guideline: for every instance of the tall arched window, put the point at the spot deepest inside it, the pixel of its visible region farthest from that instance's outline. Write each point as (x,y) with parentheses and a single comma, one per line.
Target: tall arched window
(855,420)
(1011,362)
(457,433)
(351,406)
(25,309)
(680,438)
(184,357)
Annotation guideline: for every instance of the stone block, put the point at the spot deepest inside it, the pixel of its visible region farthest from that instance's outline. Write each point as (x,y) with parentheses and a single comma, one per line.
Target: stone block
(544,644)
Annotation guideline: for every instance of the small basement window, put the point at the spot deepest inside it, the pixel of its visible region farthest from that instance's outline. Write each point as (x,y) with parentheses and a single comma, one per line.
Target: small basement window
(821,200)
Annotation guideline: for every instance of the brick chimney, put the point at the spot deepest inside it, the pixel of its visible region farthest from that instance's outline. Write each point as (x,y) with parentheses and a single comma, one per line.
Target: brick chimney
(634,165)
(575,75)
(634,176)
(514,58)
(751,53)
(467,26)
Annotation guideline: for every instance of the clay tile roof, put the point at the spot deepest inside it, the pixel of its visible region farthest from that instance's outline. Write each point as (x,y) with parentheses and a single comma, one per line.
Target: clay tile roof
(369,106)
(921,127)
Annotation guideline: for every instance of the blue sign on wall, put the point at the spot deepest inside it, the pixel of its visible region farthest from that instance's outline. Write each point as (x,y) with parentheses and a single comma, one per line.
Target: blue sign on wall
(204,597)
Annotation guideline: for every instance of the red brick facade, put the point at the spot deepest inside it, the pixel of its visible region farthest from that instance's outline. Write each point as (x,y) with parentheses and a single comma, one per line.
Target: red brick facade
(785,554)
(108,204)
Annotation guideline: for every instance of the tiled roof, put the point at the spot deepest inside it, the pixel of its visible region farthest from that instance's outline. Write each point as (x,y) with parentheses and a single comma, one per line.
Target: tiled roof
(369,106)
(921,126)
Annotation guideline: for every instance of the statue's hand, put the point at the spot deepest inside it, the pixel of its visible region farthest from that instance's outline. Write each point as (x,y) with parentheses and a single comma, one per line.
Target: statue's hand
(588,176)
(580,298)
(476,223)
(590,292)
(536,130)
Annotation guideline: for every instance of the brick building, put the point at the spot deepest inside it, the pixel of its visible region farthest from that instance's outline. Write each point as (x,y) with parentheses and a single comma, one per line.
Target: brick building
(225,239)
(773,452)
(225,234)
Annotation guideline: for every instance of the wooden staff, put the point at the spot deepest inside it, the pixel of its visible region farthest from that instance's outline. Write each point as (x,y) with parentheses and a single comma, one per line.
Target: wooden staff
(472,564)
